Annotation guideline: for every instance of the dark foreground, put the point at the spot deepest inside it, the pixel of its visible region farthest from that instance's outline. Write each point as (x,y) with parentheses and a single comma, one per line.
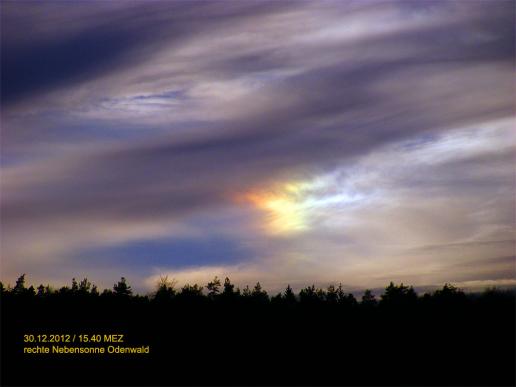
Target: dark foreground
(316,338)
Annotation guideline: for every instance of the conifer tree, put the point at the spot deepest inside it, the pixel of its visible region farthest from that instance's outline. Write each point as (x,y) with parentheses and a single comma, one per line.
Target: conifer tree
(122,288)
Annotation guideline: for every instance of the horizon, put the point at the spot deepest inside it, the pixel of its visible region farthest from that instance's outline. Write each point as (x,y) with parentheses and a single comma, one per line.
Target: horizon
(282,142)
(473,288)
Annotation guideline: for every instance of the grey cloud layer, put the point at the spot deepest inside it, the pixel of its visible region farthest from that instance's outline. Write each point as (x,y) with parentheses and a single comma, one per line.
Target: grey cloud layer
(52,45)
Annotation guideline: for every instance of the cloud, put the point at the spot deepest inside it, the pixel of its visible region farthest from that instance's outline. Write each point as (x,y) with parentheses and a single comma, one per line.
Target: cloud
(124,123)
(58,45)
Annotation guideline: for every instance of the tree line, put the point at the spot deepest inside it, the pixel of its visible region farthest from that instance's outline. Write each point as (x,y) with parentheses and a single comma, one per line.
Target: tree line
(216,290)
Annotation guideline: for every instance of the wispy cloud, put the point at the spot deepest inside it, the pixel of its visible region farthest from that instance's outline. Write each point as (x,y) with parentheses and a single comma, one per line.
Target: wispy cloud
(368,128)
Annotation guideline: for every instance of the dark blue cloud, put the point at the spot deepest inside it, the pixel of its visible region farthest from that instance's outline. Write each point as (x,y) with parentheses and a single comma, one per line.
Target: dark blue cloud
(168,254)
(108,37)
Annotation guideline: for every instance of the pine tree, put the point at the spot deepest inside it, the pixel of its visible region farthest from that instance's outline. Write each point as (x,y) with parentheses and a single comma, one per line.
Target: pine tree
(41,290)
(246,292)
(213,287)
(331,295)
(289,296)
(94,290)
(20,288)
(84,286)
(122,289)
(259,295)
(228,288)
(368,299)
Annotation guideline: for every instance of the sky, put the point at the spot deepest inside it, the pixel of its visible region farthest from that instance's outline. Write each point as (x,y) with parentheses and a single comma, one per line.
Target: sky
(286,142)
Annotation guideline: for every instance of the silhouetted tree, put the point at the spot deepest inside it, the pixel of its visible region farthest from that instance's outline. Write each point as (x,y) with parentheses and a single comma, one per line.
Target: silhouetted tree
(246,292)
(289,297)
(398,295)
(19,287)
(84,287)
(228,287)
(344,299)
(309,296)
(41,290)
(64,290)
(121,288)
(191,292)
(369,299)
(449,292)
(229,294)
(259,295)
(94,290)
(332,296)
(213,287)
(166,290)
